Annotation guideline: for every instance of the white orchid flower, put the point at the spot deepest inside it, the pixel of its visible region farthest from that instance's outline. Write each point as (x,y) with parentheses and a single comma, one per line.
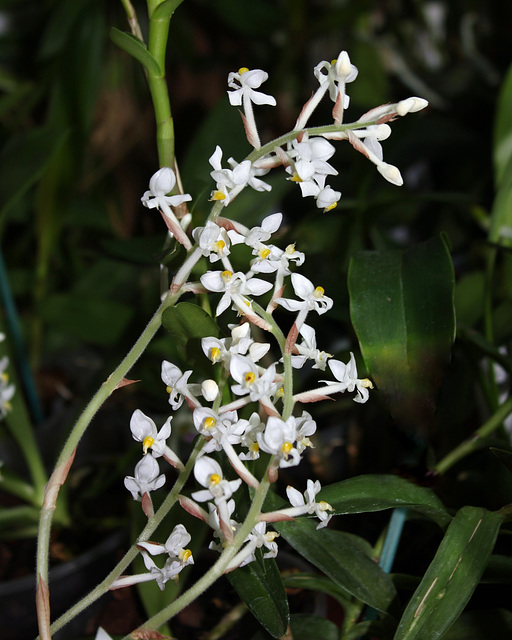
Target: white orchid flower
(311,298)
(306,503)
(244,83)
(308,350)
(177,383)
(208,473)
(144,430)
(161,183)
(146,478)
(234,287)
(250,381)
(175,546)
(347,380)
(279,439)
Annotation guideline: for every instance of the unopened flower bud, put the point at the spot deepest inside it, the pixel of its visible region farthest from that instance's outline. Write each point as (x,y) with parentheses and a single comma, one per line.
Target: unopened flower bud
(410,105)
(210,390)
(162,182)
(344,68)
(391,173)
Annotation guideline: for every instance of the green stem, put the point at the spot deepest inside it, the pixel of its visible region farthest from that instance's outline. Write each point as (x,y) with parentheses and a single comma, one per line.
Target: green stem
(311,131)
(220,566)
(150,527)
(157,46)
(65,458)
(474,443)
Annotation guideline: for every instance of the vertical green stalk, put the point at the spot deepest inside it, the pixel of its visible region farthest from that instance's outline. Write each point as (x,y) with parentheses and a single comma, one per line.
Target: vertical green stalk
(159,23)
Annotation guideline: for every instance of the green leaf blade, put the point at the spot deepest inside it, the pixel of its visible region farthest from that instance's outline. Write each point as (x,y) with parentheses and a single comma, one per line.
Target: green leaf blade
(402,309)
(368,493)
(261,588)
(136,48)
(452,575)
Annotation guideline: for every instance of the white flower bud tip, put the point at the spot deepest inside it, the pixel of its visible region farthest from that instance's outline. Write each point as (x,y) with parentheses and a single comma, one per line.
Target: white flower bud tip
(162,182)
(410,105)
(343,66)
(391,173)
(210,390)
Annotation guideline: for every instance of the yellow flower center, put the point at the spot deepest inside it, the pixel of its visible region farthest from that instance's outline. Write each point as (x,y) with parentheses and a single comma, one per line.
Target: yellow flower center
(286,448)
(226,275)
(219,246)
(254,447)
(368,384)
(243,70)
(250,377)
(280,392)
(331,207)
(290,249)
(319,292)
(324,506)
(264,253)
(147,443)
(215,479)
(270,536)
(296,178)
(169,390)
(218,195)
(184,555)
(333,62)
(215,354)
(209,422)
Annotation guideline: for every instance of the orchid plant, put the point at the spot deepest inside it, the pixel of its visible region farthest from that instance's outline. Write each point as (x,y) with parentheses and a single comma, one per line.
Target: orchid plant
(248,416)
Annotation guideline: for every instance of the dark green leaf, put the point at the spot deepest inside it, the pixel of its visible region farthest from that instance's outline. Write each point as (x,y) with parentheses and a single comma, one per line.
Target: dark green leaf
(187,320)
(377,492)
(307,627)
(452,575)
(401,305)
(315,582)
(260,586)
(340,556)
(136,48)
(503,129)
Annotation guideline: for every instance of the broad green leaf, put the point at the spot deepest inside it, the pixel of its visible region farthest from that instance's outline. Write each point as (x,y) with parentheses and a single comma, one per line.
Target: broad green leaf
(315,582)
(367,493)
(340,556)
(500,230)
(401,305)
(186,321)
(260,586)
(495,624)
(307,627)
(136,48)
(502,153)
(23,160)
(452,575)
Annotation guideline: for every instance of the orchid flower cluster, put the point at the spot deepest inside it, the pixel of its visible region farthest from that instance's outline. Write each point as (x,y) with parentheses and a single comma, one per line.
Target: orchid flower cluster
(249,407)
